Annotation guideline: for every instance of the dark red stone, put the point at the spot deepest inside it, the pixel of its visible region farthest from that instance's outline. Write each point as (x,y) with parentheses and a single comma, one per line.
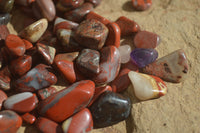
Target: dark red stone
(78,14)
(91,34)
(109,65)
(47,126)
(3,97)
(94,2)
(66,56)
(44,93)
(122,81)
(37,78)
(15,45)
(28,45)
(127,26)
(21,65)
(88,62)
(141,5)
(60,106)
(10,122)
(71,4)
(114,35)
(93,15)
(5,78)
(28,118)
(4,32)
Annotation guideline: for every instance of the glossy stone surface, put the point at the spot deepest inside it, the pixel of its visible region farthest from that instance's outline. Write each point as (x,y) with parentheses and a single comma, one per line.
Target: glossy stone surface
(78,14)
(125,52)
(61,23)
(28,45)
(6,5)
(66,56)
(67,102)
(4,18)
(37,78)
(24,2)
(4,32)
(47,52)
(141,5)
(91,34)
(127,26)
(15,45)
(45,9)
(28,118)
(21,102)
(5,78)
(94,2)
(34,31)
(88,62)
(110,109)
(93,15)
(109,65)
(142,57)
(10,122)
(114,35)
(145,39)
(98,91)
(66,69)
(71,4)
(47,126)
(61,8)
(122,81)
(81,122)
(44,93)
(21,65)
(3,97)
(147,87)
(172,67)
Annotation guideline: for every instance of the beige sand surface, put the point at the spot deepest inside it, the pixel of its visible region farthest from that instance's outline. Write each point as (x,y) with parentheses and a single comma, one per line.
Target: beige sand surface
(178,24)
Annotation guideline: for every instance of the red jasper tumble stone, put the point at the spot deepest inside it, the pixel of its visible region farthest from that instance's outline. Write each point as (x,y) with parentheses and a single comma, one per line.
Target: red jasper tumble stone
(44,93)
(91,34)
(10,121)
(127,26)
(94,2)
(72,4)
(28,118)
(21,65)
(145,39)
(37,78)
(109,65)
(3,97)
(21,102)
(93,15)
(141,5)
(63,104)
(78,14)
(66,56)
(81,122)
(15,45)
(47,126)
(114,35)
(28,45)
(4,32)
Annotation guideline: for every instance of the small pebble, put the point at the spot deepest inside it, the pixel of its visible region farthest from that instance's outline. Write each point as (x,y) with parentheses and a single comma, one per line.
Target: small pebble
(125,52)
(94,2)
(145,39)
(3,97)
(24,2)
(5,78)
(93,15)
(28,118)
(147,87)
(6,5)
(28,45)
(4,32)
(141,5)
(71,4)
(142,57)
(44,93)
(66,56)
(81,122)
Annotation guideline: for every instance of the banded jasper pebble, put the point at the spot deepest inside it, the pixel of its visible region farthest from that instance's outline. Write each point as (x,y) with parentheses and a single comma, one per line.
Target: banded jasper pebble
(93,15)
(21,103)
(141,5)
(109,109)
(34,31)
(147,87)
(10,121)
(15,45)
(91,34)
(48,126)
(109,65)
(63,104)
(37,78)
(66,56)
(172,67)
(81,122)
(3,97)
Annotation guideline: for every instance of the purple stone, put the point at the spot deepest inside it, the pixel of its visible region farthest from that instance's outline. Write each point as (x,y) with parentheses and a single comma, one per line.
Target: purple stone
(142,57)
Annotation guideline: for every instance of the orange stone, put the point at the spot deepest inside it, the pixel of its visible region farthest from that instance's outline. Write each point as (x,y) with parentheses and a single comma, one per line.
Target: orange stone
(93,15)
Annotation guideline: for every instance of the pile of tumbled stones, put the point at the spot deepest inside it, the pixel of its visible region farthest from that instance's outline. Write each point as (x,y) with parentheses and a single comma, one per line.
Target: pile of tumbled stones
(84,49)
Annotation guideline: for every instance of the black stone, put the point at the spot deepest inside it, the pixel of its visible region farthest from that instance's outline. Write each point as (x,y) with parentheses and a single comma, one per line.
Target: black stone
(110,109)
(4,18)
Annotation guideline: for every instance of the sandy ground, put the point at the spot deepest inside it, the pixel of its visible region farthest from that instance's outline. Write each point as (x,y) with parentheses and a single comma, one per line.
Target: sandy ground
(178,24)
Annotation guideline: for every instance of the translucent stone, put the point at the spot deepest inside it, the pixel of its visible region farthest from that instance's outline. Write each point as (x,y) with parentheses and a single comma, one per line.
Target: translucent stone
(125,51)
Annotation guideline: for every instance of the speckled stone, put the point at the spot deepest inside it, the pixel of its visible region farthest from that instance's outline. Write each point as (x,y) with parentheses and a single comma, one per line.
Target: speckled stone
(44,93)
(93,15)
(5,78)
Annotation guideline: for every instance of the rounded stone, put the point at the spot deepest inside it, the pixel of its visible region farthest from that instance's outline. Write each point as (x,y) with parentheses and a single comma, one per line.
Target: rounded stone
(3,97)
(141,5)
(125,52)
(6,5)
(4,18)
(71,4)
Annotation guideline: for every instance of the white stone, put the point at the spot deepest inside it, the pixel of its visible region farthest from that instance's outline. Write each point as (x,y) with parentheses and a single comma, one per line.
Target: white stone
(125,52)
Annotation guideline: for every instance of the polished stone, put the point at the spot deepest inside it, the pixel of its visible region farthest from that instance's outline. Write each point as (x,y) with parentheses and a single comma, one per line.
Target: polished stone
(4,32)
(71,4)
(66,56)
(44,93)
(125,52)
(93,15)
(4,18)
(6,5)
(3,97)
(141,5)
(5,78)
(28,118)
(94,2)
